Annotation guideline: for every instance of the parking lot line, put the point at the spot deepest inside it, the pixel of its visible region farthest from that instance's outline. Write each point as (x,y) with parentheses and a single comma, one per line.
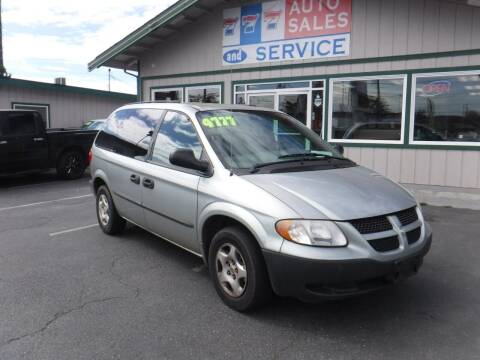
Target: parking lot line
(73,230)
(44,202)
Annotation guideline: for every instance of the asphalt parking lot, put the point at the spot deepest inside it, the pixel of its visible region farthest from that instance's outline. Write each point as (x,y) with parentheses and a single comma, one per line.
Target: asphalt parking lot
(67,291)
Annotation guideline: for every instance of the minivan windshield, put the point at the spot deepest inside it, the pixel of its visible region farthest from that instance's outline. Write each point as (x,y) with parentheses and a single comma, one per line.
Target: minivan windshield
(251,139)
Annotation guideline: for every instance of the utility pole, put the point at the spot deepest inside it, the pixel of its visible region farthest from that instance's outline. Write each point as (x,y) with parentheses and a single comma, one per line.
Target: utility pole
(3,71)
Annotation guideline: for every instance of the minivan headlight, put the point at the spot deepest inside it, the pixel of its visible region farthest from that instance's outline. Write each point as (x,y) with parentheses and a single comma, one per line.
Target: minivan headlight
(311,232)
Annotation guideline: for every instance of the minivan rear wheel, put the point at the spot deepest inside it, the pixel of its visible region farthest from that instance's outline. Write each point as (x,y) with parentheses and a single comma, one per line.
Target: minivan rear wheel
(109,220)
(238,269)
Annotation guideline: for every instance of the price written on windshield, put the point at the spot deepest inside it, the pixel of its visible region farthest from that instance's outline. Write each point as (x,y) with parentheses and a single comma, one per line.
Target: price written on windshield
(219,121)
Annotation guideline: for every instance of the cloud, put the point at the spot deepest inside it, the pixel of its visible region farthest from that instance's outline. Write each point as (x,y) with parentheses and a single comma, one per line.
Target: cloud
(69,34)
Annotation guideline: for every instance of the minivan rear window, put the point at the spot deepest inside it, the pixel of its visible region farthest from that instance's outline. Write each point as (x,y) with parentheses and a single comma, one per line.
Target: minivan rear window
(129,132)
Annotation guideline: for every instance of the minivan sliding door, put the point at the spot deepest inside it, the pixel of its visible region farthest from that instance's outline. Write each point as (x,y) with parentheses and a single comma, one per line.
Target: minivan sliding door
(169,192)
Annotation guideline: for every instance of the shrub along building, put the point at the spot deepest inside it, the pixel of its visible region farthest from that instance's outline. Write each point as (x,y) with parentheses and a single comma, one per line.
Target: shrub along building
(396,82)
(60,105)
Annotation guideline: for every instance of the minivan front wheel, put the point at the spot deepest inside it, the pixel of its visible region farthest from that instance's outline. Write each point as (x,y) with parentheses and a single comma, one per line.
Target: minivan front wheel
(109,220)
(238,269)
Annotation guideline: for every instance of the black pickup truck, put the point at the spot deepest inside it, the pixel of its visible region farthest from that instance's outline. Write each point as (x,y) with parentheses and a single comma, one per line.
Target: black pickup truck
(26,146)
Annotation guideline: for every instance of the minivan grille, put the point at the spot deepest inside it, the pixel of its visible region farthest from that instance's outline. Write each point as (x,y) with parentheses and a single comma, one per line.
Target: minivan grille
(382,223)
(385,244)
(414,235)
(407,216)
(372,225)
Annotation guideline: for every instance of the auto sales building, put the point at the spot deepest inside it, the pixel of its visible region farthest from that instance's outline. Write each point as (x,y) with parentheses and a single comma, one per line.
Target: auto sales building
(396,82)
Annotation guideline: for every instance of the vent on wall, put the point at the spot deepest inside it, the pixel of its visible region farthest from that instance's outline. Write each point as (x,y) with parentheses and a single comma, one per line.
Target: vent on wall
(60,81)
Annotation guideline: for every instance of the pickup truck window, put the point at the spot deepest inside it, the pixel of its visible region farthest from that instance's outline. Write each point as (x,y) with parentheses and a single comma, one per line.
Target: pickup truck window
(20,124)
(3,124)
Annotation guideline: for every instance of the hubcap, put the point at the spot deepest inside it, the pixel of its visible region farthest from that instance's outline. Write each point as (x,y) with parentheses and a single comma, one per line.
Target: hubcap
(231,270)
(103,210)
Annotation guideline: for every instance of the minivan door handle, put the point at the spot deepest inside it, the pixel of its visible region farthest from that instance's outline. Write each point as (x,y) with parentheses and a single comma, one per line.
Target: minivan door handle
(148,183)
(135,179)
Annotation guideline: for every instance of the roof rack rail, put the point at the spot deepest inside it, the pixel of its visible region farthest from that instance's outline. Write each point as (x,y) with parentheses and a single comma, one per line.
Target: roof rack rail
(157,102)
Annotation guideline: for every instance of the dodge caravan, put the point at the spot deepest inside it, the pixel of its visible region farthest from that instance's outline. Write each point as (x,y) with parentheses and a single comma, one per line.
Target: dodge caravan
(264,201)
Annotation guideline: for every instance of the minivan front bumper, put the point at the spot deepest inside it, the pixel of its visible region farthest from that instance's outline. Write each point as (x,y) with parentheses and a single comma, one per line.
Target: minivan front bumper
(312,280)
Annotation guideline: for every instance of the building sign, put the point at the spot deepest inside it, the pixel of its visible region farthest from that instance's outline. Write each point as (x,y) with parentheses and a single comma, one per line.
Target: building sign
(286,30)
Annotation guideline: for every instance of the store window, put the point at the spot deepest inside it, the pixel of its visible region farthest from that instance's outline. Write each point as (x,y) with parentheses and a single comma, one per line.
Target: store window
(446,108)
(172,94)
(207,94)
(367,109)
(42,109)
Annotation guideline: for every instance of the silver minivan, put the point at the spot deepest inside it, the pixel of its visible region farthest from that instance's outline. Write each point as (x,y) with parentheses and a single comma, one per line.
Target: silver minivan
(264,201)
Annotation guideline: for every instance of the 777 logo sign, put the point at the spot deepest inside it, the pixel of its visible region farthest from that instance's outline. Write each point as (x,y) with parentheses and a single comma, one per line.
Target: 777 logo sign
(249,22)
(272,18)
(229,26)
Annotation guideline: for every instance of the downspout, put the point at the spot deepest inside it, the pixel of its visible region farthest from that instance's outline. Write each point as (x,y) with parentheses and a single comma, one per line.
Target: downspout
(139,80)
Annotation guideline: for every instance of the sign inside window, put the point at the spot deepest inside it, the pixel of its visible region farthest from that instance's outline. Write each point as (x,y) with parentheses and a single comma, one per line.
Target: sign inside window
(436,88)
(286,30)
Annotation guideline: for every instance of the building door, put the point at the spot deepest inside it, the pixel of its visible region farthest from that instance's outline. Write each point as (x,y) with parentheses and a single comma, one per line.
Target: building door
(295,105)
(304,100)
(263,100)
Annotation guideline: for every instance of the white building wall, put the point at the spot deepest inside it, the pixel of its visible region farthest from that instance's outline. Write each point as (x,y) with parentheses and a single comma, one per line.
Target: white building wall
(454,168)
(67,109)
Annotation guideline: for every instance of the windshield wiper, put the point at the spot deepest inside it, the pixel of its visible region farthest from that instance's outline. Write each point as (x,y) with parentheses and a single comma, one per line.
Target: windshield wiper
(257,167)
(311,155)
(297,157)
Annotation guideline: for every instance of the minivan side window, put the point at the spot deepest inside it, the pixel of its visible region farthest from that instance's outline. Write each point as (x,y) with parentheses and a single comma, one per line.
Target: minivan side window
(129,132)
(175,132)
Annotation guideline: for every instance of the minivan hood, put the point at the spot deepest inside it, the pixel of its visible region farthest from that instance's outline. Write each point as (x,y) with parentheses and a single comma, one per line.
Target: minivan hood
(337,194)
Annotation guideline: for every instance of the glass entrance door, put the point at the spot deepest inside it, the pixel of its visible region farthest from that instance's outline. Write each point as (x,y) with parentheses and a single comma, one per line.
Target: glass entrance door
(295,105)
(303,100)
(262,100)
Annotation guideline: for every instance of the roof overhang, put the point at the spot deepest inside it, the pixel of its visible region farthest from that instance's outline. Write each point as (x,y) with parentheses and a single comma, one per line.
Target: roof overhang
(125,53)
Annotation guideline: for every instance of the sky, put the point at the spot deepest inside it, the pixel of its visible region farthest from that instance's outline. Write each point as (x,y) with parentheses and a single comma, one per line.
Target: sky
(45,39)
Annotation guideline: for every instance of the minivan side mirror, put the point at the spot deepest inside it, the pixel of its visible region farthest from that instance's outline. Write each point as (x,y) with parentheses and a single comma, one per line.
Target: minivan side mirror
(186,158)
(339,148)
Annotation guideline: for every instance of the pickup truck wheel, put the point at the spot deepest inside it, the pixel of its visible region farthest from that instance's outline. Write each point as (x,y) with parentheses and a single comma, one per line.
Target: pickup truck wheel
(109,220)
(71,165)
(238,269)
